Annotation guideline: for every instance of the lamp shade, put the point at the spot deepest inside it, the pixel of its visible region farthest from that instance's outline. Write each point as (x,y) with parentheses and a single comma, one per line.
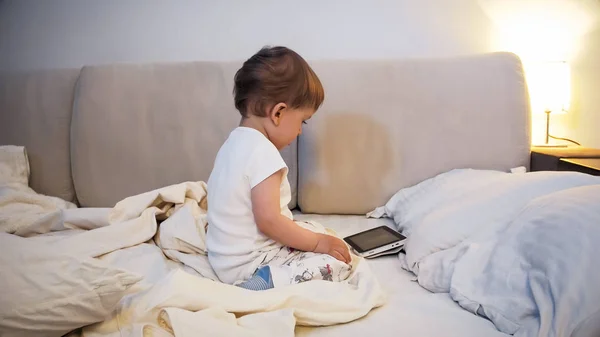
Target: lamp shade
(549,85)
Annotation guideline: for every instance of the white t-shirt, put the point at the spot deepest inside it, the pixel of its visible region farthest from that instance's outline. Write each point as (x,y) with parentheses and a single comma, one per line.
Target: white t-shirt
(234,243)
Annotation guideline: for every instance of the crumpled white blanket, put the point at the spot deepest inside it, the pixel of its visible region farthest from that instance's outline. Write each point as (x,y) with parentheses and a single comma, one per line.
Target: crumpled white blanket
(515,248)
(539,275)
(160,235)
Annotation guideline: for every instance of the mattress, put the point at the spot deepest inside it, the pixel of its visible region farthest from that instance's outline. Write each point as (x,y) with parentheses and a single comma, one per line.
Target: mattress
(411,310)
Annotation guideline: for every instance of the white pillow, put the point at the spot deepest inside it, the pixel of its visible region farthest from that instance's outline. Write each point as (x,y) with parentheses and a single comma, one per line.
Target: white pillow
(441,212)
(410,205)
(47,293)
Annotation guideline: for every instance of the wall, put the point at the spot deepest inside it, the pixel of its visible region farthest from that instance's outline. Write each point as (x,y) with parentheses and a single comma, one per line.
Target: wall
(584,124)
(66,33)
(73,33)
(556,30)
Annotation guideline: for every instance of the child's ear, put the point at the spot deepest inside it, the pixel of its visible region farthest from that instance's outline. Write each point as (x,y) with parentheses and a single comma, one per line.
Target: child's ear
(277,112)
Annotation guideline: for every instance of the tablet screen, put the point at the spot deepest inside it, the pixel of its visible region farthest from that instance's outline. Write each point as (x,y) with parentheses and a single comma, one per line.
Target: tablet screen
(374,238)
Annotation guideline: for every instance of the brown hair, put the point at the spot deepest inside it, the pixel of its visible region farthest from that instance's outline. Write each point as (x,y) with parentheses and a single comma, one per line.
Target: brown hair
(274,75)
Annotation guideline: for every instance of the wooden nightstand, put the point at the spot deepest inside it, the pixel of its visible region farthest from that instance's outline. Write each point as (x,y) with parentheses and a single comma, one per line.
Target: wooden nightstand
(584,165)
(580,159)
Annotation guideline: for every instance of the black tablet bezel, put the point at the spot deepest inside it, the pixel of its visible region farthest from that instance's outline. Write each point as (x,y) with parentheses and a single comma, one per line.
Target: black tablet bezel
(349,240)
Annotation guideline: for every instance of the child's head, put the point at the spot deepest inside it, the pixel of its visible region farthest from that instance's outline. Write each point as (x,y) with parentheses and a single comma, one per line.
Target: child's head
(278,89)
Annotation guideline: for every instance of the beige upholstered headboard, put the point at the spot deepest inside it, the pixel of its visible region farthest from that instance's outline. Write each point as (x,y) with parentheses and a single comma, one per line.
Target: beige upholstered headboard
(391,124)
(138,127)
(384,125)
(35,112)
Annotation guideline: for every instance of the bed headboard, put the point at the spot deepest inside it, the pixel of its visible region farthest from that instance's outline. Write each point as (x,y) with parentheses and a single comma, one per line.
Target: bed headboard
(386,125)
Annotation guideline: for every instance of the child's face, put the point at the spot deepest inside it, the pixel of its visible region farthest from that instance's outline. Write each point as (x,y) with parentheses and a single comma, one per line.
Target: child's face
(288,125)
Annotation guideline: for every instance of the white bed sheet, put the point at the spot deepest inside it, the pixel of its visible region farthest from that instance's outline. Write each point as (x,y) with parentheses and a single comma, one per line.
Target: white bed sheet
(411,310)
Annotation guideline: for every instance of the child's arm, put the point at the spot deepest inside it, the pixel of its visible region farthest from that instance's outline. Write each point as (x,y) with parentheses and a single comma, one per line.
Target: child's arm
(267,214)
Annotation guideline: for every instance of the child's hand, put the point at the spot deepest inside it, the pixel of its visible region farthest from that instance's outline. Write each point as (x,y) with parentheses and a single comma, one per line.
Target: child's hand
(333,246)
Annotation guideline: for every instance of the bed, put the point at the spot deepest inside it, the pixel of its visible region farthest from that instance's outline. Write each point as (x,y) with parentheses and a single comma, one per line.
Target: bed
(102,205)
(411,309)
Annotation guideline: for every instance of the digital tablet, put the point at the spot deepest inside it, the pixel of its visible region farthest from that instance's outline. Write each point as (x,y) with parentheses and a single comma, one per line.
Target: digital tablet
(376,242)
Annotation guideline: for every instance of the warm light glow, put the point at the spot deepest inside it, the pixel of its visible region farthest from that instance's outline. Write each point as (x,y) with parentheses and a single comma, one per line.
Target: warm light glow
(541,30)
(549,85)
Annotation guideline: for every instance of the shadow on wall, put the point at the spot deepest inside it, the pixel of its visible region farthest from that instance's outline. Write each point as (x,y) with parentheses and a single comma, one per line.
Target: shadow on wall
(346,160)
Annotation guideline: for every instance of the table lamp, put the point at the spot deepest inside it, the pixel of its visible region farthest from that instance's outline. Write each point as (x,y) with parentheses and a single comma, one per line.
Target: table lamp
(549,85)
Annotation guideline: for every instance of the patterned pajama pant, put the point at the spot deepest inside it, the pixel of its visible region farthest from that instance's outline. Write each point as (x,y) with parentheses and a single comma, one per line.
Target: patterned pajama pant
(285,266)
(290,266)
